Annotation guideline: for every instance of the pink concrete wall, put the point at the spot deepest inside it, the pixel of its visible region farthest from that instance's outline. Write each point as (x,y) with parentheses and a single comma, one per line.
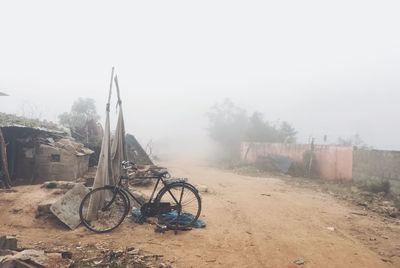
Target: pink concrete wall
(334,162)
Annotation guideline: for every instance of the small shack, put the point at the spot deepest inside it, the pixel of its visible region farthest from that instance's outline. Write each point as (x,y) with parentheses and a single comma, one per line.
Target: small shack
(38,151)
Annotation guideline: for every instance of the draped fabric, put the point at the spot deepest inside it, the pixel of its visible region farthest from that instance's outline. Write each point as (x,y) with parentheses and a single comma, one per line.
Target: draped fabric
(111,156)
(118,148)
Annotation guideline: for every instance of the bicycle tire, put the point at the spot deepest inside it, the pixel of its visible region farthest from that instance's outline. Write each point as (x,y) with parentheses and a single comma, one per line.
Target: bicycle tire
(114,198)
(164,196)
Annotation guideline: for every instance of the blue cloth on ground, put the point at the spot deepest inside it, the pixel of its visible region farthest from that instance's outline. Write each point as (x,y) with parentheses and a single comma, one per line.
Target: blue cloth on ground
(184,218)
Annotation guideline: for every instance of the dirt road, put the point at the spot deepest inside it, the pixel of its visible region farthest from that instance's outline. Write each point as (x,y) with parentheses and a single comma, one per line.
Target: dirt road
(251,222)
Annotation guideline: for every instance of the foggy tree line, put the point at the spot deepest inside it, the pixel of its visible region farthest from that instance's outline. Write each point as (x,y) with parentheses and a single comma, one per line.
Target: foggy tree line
(229,125)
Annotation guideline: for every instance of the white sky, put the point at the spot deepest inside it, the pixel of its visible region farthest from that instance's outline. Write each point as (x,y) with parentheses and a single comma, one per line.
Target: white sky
(328,67)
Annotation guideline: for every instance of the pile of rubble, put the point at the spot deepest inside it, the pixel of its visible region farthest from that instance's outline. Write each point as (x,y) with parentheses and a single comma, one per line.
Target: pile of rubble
(376,202)
(129,257)
(91,256)
(12,256)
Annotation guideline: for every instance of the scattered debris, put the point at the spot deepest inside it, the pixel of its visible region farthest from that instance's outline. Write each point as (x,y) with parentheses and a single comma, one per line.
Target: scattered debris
(35,258)
(8,191)
(160,228)
(163,265)
(332,229)
(66,209)
(299,262)
(86,180)
(134,181)
(131,257)
(16,210)
(85,256)
(202,188)
(59,185)
(359,213)
(44,208)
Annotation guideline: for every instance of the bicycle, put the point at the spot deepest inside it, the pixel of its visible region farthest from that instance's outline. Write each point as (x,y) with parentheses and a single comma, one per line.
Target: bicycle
(104,209)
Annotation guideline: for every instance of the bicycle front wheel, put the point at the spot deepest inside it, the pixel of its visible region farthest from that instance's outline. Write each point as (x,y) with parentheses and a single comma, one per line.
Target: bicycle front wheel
(179,205)
(103,209)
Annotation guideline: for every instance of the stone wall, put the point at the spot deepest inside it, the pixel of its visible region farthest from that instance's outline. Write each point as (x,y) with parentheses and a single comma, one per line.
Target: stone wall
(375,166)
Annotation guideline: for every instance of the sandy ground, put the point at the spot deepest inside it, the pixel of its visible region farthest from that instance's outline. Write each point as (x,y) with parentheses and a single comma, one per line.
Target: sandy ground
(251,222)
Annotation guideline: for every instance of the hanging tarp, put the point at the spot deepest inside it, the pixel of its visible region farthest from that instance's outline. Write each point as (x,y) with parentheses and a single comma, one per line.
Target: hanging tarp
(104,169)
(118,148)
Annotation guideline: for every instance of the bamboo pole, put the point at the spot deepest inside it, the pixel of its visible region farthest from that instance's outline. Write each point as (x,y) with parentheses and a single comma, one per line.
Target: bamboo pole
(117,87)
(109,93)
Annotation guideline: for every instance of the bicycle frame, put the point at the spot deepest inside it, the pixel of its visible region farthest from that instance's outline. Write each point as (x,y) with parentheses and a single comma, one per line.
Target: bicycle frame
(129,194)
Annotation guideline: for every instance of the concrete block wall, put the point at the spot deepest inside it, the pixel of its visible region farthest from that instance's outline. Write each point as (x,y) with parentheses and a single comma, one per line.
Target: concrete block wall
(70,166)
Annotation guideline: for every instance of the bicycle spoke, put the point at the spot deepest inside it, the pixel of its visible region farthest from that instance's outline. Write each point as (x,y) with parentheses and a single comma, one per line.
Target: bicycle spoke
(187,207)
(189,201)
(103,209)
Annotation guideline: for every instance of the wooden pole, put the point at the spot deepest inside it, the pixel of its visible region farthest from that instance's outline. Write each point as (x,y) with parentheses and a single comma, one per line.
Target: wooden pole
(125,151)
(109,93)
(117,87)
(4,162)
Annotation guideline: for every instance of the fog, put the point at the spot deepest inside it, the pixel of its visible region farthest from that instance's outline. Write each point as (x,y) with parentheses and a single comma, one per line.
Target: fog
(328,67)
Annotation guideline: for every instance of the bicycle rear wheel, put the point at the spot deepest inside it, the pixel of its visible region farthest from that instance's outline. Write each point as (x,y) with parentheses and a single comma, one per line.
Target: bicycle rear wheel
(103,209)
(179,205)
